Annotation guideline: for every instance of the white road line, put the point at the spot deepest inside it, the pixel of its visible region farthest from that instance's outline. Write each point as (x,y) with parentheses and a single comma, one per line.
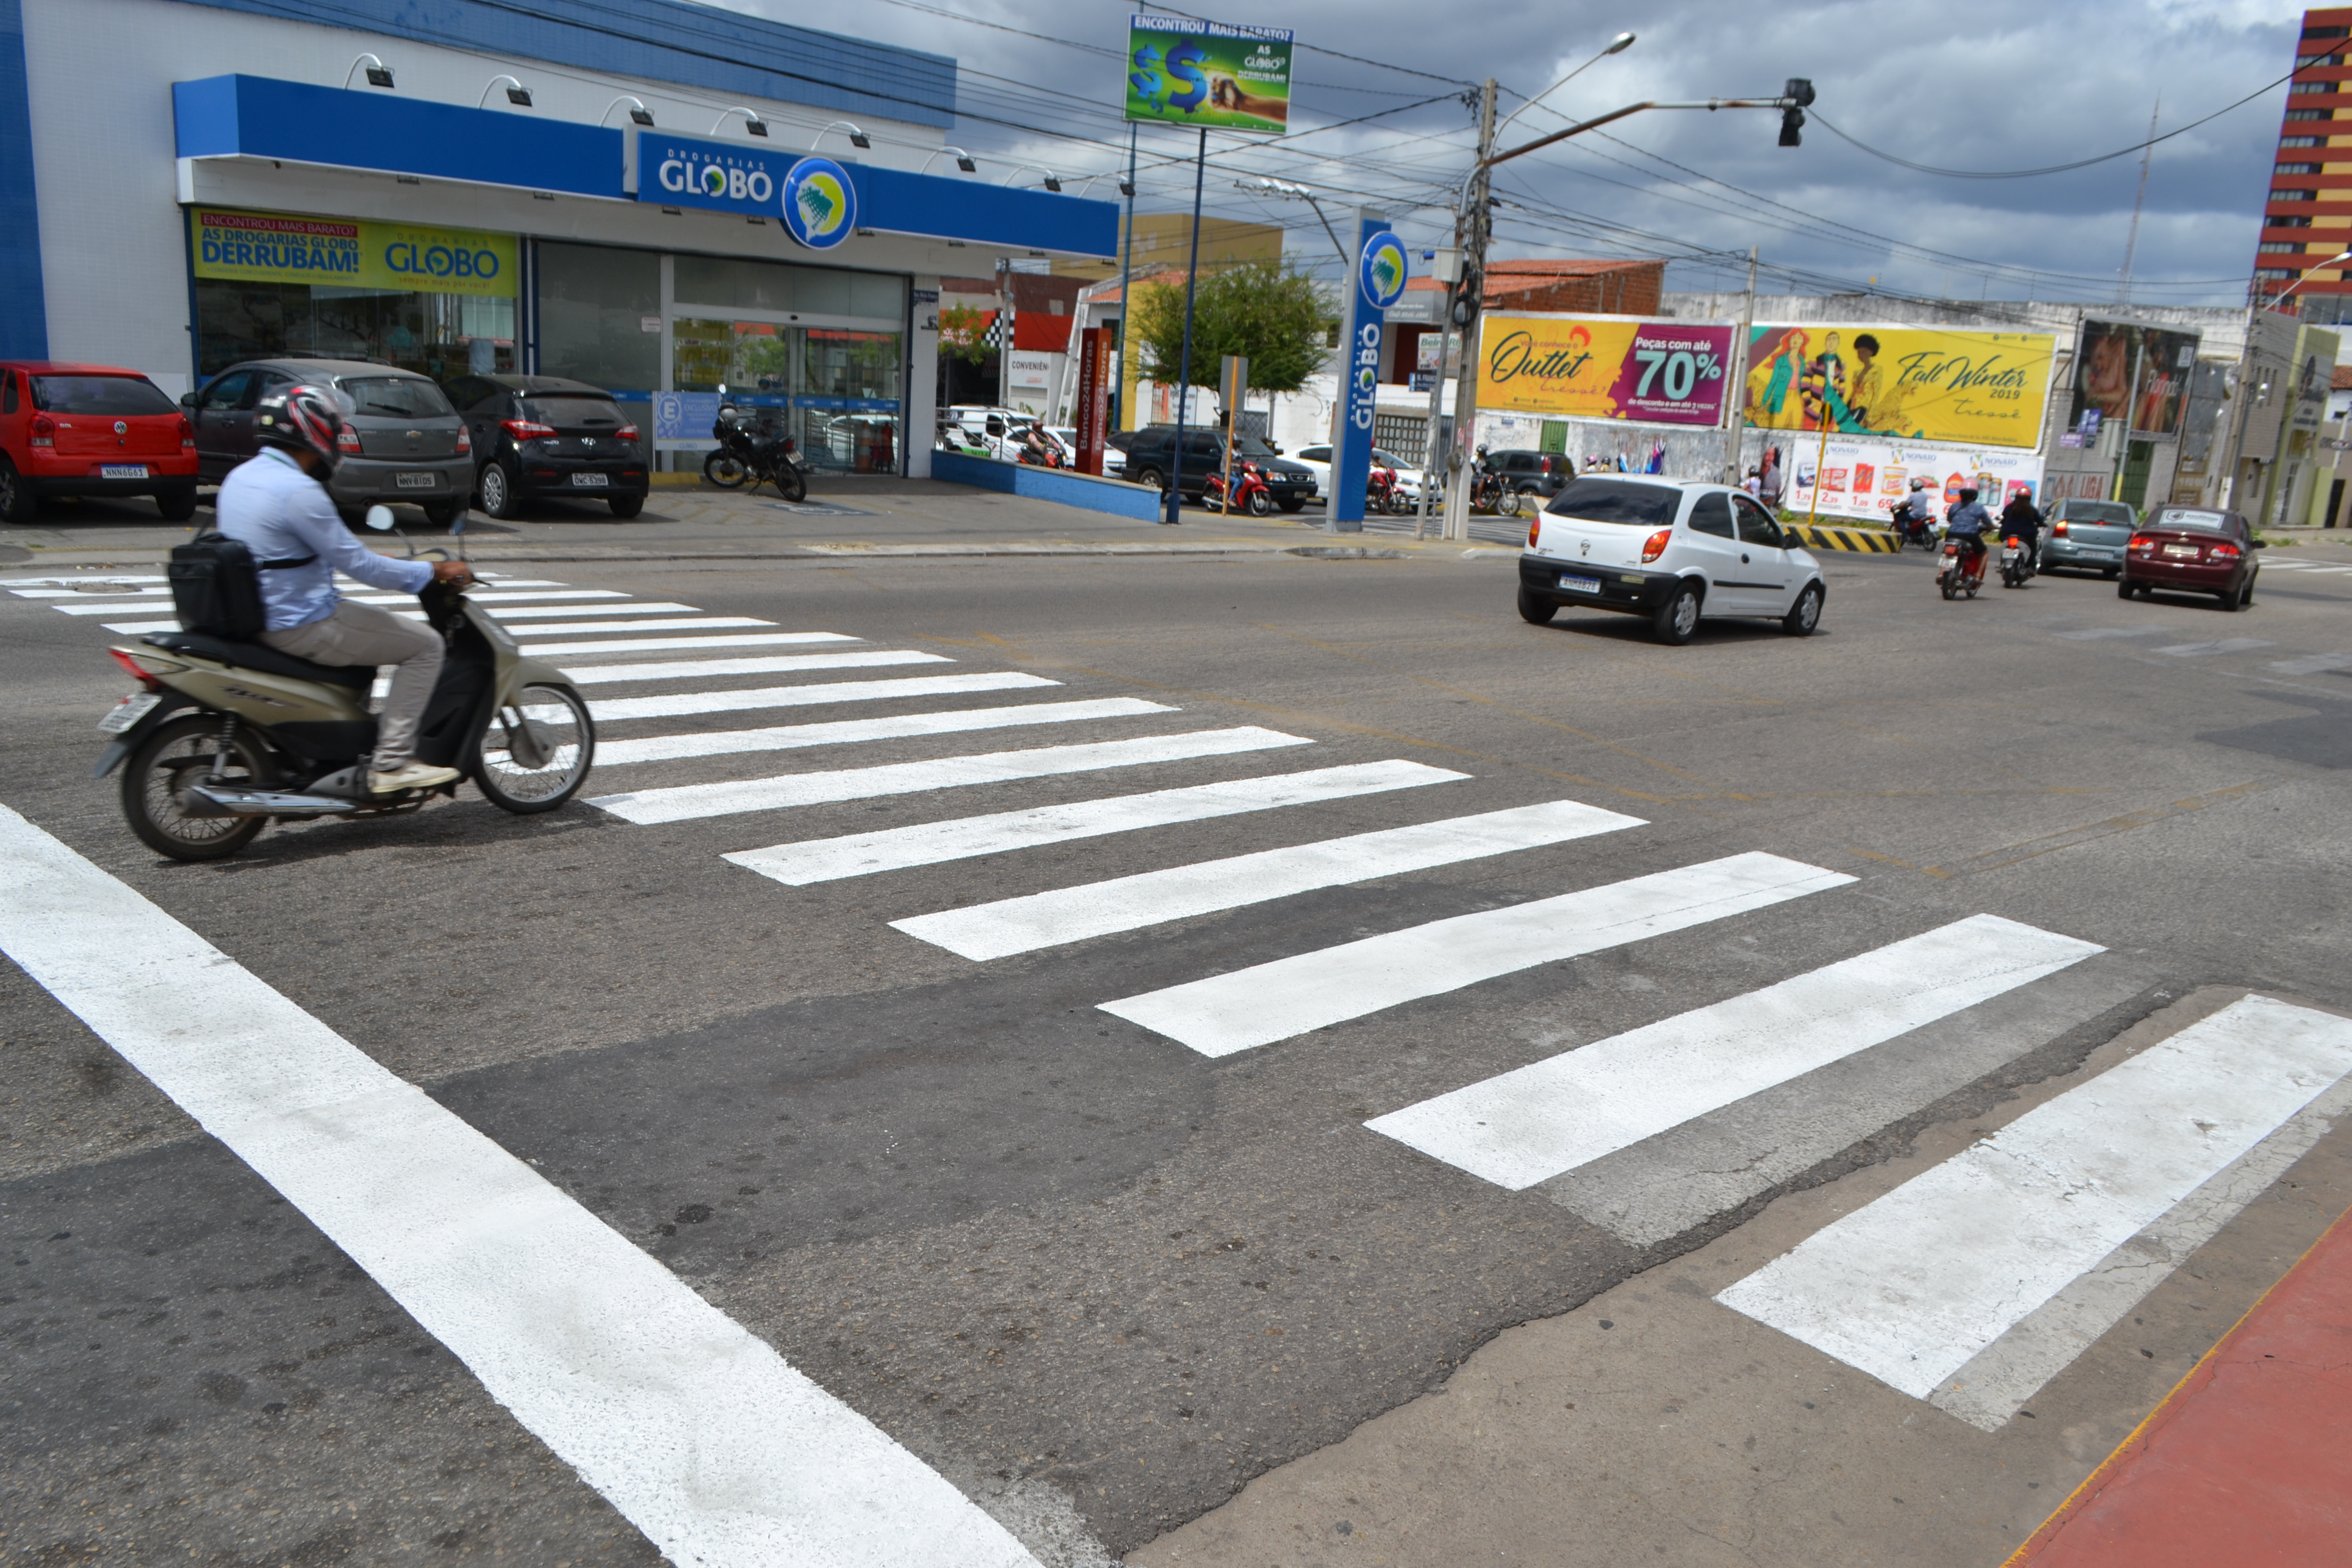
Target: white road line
(1270,1002)
(2311,664)
(965,837)
(1910,1287)
(659,645)
(677,704)
(2100,634)
(112,607)
(134,629)
(97,604)
(550,612)
(685,801)
(532,595)
(700,1435)
(2226,644)
(680,620)
(1008,926)
(22,586)
(1526,1126)
(848,731)
(768,664)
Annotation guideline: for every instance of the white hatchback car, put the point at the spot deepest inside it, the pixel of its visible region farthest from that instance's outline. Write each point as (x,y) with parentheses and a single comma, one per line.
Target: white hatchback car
(1677,552)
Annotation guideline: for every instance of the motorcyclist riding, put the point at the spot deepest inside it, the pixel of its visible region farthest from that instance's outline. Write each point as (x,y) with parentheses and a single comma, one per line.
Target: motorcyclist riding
(276,504)
(1966,522)
(1918,513)
(2021,519)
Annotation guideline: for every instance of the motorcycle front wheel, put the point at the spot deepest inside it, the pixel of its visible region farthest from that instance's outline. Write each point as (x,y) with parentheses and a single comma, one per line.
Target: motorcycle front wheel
(726,470)
(534,754)
(1260,503)
(180,753)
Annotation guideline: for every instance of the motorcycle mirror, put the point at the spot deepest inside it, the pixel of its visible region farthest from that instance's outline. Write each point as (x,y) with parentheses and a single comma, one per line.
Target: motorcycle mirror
(379,518)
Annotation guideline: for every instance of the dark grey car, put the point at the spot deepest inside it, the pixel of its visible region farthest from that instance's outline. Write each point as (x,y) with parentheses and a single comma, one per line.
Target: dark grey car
(412,446)
(2088,536)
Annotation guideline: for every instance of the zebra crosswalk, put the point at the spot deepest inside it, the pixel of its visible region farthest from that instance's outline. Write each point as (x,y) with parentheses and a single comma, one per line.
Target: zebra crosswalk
(1969,1287)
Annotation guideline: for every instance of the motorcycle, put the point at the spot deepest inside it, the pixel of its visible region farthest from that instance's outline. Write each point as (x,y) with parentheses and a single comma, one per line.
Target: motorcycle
(1963,568)
(222,738)
(2016,563)
(1491,493)
(1911,529)
(1250,493)
(750,455)
(1382,493)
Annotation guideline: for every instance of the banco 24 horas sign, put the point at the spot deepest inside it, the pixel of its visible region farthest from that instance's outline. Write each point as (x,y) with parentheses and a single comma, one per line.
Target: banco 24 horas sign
(814,198)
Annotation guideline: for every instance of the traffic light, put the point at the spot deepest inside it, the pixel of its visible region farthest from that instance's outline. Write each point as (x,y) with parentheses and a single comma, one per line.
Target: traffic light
(1798,93)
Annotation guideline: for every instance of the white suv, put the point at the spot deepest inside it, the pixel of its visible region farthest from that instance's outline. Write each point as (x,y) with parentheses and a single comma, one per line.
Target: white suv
(1676,552)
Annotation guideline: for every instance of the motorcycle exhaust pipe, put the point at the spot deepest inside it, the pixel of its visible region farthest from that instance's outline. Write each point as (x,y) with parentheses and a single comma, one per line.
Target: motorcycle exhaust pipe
(219,800)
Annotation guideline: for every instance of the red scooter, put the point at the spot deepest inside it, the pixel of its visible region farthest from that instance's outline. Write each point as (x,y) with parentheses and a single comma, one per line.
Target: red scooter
(1250,494)
(1963,567)
(1383,494)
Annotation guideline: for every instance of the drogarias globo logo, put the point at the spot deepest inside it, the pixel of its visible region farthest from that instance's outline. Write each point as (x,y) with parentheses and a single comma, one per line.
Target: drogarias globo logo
(820,203)
(1381,270)
(719,176)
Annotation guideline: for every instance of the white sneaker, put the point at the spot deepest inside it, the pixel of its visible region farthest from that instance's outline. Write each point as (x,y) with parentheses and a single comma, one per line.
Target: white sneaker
(410,775)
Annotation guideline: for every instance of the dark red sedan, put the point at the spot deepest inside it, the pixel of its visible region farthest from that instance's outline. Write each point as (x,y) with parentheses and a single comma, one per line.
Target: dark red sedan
(2191,549)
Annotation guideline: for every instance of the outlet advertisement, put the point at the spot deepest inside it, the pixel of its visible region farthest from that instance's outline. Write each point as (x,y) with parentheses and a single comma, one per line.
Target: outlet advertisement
(1604,367)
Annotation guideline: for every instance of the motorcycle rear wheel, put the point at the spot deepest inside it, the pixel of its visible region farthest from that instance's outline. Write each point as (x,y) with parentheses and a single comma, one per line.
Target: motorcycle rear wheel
(556,725)
(180,753)
(792,484)
(726,470)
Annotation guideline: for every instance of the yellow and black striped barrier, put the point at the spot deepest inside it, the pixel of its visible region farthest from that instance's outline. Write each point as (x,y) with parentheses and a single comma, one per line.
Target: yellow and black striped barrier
(1862,541)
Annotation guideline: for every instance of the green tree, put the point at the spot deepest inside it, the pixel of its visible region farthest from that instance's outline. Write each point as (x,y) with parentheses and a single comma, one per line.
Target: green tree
(964,333)
(1270,312)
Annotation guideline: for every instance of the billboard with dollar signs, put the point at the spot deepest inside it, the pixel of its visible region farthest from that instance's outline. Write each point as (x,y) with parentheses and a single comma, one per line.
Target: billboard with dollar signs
(1181,72)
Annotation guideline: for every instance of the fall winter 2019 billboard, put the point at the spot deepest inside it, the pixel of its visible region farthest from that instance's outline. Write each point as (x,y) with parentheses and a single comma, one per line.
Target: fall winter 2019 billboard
(1906,384)
(1604,367)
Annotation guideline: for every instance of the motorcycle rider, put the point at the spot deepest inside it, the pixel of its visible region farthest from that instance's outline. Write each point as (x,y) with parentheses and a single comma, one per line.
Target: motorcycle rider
(1918,511)
(1967,524)
(2021,519)
(276,504)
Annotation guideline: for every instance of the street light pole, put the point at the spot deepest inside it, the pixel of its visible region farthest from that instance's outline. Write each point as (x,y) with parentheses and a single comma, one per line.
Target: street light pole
(1467,298)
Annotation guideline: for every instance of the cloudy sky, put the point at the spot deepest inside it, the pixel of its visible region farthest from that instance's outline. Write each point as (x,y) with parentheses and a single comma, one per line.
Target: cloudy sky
(1989,85)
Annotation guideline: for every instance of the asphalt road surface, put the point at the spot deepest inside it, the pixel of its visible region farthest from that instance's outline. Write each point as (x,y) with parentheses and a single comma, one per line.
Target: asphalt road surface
(1118,1026)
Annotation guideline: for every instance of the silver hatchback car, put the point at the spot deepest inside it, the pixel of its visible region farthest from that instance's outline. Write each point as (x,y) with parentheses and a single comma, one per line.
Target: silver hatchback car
(2088,535)
(411,446)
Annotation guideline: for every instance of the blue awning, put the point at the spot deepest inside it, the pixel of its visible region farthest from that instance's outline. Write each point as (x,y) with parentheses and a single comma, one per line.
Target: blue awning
(259,117)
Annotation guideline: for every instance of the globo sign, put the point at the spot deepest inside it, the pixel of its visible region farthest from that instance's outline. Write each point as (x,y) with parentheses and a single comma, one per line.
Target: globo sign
(409,258)
(682,171)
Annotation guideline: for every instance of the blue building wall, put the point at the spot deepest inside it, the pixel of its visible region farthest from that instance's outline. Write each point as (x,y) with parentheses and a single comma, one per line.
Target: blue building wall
(24,314)
(660,40)
(1116,497)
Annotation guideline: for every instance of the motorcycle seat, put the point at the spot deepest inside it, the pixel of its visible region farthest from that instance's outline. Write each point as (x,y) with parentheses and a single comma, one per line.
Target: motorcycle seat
(258,655)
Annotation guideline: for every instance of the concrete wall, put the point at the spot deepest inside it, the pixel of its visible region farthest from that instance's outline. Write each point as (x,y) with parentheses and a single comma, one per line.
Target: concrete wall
(1059,486)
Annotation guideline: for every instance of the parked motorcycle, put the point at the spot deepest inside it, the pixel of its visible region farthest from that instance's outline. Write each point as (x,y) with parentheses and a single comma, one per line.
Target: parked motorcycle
(2016,563)
(223,737)
(1962,570)
(750,453)
(1250,493)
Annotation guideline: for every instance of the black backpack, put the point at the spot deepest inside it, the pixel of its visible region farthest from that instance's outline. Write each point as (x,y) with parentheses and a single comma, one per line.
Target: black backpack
(217,586)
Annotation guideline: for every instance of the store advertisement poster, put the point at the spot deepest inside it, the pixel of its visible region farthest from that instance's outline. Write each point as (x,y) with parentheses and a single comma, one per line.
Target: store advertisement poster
(1181,72)
(2122,367)
(1870,478)
(1907,384)
(1605,367)
(274,248)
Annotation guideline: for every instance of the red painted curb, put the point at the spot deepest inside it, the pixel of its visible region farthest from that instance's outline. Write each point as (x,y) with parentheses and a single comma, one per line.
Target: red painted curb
(2249,1460)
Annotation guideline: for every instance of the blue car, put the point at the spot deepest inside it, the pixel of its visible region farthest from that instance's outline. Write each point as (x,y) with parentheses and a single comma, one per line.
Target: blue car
(2088,536)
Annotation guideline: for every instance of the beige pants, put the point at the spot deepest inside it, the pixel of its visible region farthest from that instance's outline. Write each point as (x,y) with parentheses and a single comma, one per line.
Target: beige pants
(362,633)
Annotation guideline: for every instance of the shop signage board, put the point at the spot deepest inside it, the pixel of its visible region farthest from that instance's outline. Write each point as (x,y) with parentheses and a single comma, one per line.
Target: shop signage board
(1093,397)
(1379,283)
(1605,367)
(719,176)
(1028,368)
(273,247)
(1870,478)
(1182,71)
(1906,384)
(2116,354)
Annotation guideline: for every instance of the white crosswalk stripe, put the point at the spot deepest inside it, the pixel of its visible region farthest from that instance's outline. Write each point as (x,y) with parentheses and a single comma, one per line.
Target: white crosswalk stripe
(679,620)
(663,645)
(684,802)
(1152,897)
(2311,664)
(1915,1286)
(506,613)
(1526,1126)
(1270,1002)
(764,664)
(849,731)
(965,837)
(680,704)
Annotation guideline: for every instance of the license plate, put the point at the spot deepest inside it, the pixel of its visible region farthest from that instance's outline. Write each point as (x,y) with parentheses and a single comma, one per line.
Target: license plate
(128,711)
(590,481)
(417,481)
(2181,551)
(1580,584)
(122,470)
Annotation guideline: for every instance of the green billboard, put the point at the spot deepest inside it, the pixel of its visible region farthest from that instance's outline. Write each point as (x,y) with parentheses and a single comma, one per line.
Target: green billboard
(1185,72)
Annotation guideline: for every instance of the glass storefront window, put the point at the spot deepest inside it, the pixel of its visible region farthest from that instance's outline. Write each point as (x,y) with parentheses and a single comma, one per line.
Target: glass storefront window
(733,283)
(440,335)
(847,410)
(593,304)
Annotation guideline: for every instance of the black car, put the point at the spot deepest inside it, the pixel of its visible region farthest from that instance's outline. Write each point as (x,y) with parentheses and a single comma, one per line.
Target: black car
(545,436)
(1532,473)
(406,443)
(1150,457)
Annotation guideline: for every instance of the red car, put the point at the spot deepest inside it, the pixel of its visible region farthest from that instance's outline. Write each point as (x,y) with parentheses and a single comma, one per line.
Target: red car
(90,430)
(2191,549)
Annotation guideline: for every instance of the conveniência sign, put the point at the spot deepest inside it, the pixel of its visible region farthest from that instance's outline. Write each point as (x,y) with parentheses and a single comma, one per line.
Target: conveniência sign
(276,247)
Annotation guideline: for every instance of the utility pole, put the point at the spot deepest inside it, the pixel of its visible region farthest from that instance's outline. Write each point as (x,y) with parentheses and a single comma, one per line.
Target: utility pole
(1127,294)
(1004,312)
(1448,272)
(1734,395)
(1468,299)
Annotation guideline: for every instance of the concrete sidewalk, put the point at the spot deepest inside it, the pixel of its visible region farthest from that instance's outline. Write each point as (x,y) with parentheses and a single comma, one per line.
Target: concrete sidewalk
(2248,1460)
